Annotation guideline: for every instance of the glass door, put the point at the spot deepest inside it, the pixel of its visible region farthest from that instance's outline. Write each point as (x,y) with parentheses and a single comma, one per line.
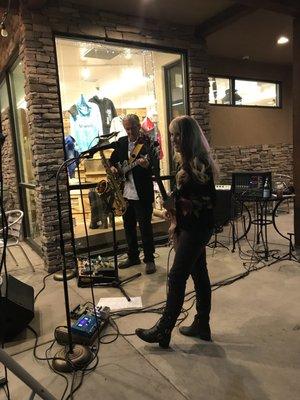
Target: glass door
(175,97)
(27,182)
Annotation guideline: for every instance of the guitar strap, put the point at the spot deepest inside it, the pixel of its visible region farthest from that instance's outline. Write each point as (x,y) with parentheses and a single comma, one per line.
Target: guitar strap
(135,152)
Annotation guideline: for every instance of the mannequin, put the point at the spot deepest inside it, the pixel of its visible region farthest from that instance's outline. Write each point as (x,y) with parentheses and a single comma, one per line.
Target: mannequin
(106,108)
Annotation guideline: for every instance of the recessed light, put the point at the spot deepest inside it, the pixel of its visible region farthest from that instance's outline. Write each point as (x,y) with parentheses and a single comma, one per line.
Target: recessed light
(282,40)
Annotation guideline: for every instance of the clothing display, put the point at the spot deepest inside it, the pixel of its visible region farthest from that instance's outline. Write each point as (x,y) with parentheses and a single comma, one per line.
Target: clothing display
(71,152)
(151,129)
(117,126)
(107,111)
(85,124)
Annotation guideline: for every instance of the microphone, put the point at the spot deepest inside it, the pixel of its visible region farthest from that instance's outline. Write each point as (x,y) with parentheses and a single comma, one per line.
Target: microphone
(109,135)
(101,145)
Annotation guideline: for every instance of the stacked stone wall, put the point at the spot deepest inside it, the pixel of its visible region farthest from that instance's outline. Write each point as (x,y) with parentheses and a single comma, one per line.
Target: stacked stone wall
(277,158)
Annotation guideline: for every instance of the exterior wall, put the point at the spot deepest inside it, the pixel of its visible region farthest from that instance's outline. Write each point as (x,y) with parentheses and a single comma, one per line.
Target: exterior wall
(245,126)
(253,138)
(277,158)
(37,50)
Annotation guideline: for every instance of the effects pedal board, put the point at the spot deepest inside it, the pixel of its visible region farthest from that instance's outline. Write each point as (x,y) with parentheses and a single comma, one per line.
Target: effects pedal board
(96,271)
(85,329)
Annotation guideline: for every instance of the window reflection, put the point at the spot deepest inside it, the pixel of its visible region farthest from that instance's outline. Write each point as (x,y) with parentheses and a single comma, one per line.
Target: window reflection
(258,93)
(21,123)
(246,92)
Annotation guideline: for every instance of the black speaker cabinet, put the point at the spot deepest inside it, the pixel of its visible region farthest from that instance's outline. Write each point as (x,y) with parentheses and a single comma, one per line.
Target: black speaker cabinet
(16,306)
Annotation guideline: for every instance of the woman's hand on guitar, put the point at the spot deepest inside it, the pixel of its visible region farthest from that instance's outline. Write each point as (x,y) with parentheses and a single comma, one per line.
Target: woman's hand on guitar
(167,215)
(169,204)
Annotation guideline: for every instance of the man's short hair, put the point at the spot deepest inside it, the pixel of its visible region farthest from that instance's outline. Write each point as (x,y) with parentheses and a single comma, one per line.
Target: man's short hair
(133,118)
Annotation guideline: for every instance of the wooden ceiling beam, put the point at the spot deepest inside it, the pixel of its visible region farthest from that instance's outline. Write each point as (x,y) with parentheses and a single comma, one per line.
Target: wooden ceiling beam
(289,7)
(223,19)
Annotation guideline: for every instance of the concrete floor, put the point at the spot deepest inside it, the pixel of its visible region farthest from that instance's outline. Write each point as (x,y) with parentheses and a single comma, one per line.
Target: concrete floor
(255,325)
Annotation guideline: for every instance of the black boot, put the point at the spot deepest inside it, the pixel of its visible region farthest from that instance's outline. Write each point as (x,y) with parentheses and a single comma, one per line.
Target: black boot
(200,328)
(160,333)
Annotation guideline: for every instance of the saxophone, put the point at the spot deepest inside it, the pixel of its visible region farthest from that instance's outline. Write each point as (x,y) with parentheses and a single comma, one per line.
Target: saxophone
(113,187)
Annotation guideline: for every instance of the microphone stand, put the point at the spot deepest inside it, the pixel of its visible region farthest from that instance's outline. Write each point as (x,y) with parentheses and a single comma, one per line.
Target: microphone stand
(75,357)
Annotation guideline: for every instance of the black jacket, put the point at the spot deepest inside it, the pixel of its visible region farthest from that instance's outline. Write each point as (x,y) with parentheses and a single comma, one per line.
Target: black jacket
(142,176)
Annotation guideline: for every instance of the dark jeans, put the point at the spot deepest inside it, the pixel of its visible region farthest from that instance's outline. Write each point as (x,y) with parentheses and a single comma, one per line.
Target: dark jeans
(190,259)
(141,213)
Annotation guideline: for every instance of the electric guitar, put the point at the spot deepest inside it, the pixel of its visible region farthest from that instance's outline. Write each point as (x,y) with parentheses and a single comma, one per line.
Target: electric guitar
(125,167)
(171,213)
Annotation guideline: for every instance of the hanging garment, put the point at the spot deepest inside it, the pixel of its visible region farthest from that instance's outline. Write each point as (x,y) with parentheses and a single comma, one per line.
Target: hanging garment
(71,152)
(107,111)
(151,129)
(117,126)
(85,124)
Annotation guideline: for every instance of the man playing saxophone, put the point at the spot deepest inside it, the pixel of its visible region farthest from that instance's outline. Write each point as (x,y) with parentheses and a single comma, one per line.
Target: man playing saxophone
(139,193)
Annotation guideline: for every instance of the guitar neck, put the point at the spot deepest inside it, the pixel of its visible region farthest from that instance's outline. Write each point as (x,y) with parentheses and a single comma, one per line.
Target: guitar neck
(129,167)
(160,186)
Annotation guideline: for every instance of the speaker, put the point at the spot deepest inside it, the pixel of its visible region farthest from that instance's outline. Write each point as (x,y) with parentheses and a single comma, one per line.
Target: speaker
(223,209)
(16,306)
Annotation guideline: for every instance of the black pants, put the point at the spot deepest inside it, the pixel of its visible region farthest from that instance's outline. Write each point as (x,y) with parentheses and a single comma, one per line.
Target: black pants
(141,213)
(190,259)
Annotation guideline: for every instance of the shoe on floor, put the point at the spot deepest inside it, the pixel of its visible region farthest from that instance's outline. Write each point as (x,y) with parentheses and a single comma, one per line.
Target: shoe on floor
(128,263)
(150,267)
(200,329)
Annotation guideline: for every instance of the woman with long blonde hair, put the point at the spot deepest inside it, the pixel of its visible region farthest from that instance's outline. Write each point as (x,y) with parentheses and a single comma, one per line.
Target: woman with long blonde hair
(193,200)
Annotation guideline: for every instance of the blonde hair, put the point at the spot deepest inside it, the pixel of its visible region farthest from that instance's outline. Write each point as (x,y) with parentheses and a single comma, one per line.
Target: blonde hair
(195,156)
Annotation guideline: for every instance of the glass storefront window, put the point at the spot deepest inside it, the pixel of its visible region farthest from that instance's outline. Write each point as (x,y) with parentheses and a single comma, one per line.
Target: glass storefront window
(100,83)
(219,90)
(20,116)
(23,142)
(246,92)
(254,93)
(4,104)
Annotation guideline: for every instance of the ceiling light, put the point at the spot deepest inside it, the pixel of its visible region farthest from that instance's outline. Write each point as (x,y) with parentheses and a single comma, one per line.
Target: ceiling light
(127,54)
(282,40)
(4,32)
(85,73)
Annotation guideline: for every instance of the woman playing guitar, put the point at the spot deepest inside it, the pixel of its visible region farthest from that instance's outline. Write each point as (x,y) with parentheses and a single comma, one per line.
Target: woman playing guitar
(193,201)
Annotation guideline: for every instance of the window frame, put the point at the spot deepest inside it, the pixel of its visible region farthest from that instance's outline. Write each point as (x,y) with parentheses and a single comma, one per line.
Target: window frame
(234,78)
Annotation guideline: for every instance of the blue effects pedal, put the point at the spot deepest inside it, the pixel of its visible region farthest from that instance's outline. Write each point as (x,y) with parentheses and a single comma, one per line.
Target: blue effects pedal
(86,325)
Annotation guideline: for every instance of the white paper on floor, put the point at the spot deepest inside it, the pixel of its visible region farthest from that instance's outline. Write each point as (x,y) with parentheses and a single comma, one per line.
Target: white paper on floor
(120,303)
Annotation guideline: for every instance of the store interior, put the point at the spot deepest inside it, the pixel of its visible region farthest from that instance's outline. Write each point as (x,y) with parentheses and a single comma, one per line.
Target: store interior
(99,84)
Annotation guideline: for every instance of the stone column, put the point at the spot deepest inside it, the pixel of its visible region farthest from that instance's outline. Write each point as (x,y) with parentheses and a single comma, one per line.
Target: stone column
(296,125)
(37,53)
(198,90)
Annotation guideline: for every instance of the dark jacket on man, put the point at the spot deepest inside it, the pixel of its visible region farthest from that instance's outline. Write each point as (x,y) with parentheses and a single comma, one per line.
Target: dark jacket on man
(142,176)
